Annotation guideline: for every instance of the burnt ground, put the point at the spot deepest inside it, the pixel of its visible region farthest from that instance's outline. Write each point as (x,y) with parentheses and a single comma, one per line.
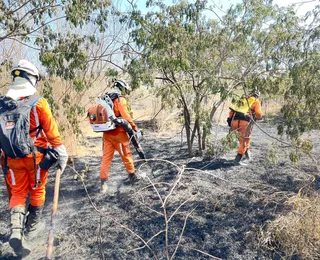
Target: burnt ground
(182,208)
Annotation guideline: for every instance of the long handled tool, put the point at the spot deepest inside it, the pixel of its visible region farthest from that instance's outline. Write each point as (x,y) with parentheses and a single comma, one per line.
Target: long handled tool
(136,145)
(134,140)
(53,213)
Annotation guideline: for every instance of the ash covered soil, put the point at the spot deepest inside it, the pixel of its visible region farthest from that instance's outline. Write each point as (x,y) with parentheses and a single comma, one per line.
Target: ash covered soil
(182,207)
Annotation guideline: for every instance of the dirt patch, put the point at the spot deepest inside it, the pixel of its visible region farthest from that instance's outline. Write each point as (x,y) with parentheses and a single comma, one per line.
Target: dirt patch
(184,208)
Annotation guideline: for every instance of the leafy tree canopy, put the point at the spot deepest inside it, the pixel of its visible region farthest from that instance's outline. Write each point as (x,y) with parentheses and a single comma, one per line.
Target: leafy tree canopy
(255,44)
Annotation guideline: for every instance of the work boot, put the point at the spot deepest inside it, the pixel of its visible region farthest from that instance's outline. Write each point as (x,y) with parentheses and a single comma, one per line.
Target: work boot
(247,155)
(17,225)
(104,186)
(238,158)
(133,177)
(34,226)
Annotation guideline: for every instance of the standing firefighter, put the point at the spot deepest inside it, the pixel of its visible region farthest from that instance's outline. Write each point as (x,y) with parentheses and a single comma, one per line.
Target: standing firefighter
(117,138)
(241,117)
(27,127)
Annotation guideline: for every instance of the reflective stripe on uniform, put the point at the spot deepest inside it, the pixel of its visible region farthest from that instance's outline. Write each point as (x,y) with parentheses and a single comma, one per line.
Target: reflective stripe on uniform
(13,180)
(38,175)
(121,149)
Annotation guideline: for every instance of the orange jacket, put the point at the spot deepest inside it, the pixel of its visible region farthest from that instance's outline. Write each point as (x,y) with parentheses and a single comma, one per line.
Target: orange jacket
(121,109)
(49,132)
(255,109)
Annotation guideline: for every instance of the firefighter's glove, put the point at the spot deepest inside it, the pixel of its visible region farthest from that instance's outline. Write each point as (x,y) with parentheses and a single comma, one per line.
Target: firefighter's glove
(229,119)
(63,156)
(50,159)
(138,134)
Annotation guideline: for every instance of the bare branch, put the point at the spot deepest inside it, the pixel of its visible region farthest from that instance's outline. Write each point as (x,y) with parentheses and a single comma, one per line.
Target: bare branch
(182,231)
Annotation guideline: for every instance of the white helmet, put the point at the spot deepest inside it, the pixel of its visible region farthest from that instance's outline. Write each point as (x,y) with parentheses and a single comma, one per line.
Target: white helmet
(255,93)
(121,84)
(24,69)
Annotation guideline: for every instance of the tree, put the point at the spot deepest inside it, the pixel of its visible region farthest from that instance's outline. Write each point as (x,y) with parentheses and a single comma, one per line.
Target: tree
(71,41)
(196,57)
(301,111)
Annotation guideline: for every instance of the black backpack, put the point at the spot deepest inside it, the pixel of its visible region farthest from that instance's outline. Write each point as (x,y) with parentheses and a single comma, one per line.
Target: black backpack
(15,131)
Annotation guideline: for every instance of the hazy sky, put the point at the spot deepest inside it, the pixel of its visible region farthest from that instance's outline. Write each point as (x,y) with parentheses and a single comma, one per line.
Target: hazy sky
(302,6)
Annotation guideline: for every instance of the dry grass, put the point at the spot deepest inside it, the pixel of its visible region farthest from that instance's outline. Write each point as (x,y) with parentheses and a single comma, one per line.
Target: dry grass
(146,108)
(271,108)
(298,232)
(74,142)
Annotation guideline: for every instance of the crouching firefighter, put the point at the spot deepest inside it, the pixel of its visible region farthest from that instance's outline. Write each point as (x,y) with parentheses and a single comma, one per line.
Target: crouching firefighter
(241,118)
(26,128)
(111,116)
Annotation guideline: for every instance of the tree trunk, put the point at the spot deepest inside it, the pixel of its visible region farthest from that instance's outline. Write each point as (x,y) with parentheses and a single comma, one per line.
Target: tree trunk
(204,136)
(214,109)
(186,116)
(194,130)
(199,138)
(205,132)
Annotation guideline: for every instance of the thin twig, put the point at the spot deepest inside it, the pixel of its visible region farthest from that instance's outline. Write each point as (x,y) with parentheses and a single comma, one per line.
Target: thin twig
(177,209)
(154,236)
(95,208)
(136,235)
(204,253)
(174,185)
(182,232)
(151,209)
(113,219)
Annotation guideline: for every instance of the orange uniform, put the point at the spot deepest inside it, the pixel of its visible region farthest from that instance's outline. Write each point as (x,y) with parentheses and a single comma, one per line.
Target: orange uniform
(21,177)
(243,125)
(117,139)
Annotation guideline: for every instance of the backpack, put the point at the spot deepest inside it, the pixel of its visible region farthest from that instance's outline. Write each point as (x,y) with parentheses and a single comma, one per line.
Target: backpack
(15,131)
(101,115)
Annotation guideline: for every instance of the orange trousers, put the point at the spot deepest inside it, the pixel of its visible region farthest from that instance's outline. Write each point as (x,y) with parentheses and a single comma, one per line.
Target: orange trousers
(244,128)
(119,141)
(21,178)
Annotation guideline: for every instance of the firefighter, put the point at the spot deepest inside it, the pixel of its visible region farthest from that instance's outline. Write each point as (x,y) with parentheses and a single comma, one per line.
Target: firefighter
(23,175)
(118,139)
(241,117)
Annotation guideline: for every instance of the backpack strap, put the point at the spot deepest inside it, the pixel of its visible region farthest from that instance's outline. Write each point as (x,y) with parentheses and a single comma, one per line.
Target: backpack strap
(31,102)
(38,127)
(113,96)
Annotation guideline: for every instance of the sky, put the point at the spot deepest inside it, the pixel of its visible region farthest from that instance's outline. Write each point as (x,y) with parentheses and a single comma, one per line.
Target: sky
(301,6)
